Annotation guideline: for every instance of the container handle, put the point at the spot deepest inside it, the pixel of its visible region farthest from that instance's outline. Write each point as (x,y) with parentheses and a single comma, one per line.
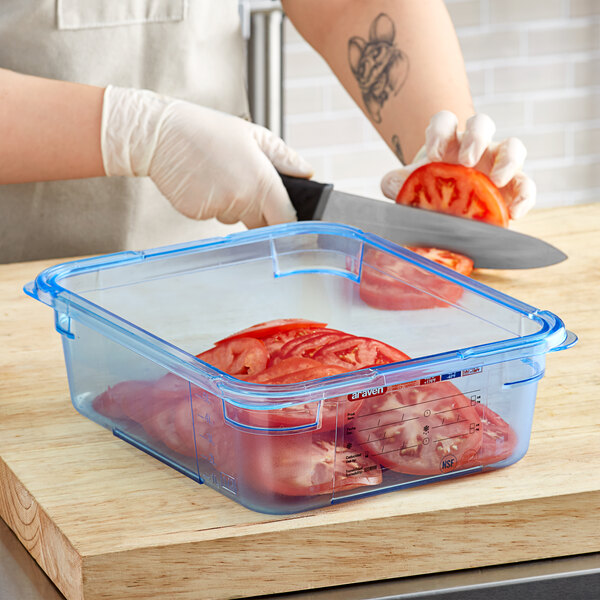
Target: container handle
(570,340)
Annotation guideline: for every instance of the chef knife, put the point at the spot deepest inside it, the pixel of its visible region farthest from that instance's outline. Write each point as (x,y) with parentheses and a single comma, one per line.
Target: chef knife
(489,246)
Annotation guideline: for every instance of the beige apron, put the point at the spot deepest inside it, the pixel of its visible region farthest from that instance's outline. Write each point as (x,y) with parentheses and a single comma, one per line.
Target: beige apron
(190,49)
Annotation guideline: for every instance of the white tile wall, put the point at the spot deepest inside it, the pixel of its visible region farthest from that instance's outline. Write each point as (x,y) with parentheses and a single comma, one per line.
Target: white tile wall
(533,65)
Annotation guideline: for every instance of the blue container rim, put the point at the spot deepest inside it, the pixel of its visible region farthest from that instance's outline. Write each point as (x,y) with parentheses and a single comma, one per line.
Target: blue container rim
(551,336)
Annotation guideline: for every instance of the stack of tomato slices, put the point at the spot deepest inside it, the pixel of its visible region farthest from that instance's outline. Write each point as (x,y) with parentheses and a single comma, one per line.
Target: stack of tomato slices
(307,449)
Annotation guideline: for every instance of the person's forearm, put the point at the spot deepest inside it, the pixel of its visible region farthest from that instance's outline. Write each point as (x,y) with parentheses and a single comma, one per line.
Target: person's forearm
(399,59)
(49,129)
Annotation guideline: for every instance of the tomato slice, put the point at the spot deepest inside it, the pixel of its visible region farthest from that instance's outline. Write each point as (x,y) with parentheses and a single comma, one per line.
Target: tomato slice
(200,424)
(305,464)
(237,356)
(352,353)
(284,367)
(115,400)
(307,346)
(390,283)
(262,330)
(287,371)
(453,260)
(498,443)
(454,189)
(423,430)
(277,341)
(170,394)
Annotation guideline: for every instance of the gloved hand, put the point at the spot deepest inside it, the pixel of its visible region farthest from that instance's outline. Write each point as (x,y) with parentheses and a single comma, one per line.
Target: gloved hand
(206,163)
(500,161)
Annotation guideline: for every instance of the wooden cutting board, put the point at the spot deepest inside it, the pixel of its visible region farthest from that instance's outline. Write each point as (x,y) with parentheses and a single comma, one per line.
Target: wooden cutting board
(106,521)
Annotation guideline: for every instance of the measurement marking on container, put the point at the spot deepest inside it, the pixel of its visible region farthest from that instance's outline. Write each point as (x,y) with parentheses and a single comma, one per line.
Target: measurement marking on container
(450,437)
(403,420)
(439,412)
(376,440)
(450,423)
(396,450)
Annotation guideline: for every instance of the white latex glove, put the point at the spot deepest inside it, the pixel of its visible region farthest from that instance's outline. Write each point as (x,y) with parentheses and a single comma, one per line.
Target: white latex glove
(500,161)
(206,163)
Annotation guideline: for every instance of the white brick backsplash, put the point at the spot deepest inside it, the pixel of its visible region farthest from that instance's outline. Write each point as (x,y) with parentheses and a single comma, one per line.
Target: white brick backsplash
(587,141)
(551,144)
(587,72)
(290,33)
(465,13)
(510,11)
(376,163)
(508,114)
(340,99)
(305,99)
(323,131)
(584,8)
(548,199)
(477,81)
(485,45)
(583,107)
(370,187)
(566,178)
(305,63)
(564,38)
(524,78)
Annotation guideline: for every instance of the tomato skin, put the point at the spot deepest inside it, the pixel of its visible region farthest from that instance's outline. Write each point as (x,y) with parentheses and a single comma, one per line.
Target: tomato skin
(307,346)
(382,284)
(421,430)
(237,356)
(263,330)
(456,190)
(276,341)
(498,442)
(293,370)
(453,260)
(352,353)
(284,367)
(113,402)
(305,464)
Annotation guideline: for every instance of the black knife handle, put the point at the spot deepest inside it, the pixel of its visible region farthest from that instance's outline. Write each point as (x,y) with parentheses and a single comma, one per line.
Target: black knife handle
(306,196)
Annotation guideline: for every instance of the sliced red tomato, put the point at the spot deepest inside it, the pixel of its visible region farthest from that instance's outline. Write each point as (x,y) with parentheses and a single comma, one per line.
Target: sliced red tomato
(453,260)
(262,330)
(114,401)
(285,367)
(498,443)
(237,356)
(306,346)
(390,283)
(423,430)
(305,464)
(202,426)
(456,190)
(170,394)
(352,353)
(287,371)
(278,340)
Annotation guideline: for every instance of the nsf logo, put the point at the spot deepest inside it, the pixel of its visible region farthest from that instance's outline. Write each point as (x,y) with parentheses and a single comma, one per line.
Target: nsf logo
(448,463)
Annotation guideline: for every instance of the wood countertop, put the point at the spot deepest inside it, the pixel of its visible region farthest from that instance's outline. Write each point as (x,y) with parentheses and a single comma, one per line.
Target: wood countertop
(104,520)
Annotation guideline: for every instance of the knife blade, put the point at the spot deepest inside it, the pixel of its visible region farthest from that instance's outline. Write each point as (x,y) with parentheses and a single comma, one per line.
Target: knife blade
(489,246)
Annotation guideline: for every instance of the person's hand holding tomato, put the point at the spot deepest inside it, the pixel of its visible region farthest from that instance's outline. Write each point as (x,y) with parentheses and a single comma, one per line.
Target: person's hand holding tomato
(501,161)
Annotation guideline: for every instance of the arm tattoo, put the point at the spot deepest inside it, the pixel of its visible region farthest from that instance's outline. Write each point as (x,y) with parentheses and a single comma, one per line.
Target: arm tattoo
(397,148)
(378,65)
